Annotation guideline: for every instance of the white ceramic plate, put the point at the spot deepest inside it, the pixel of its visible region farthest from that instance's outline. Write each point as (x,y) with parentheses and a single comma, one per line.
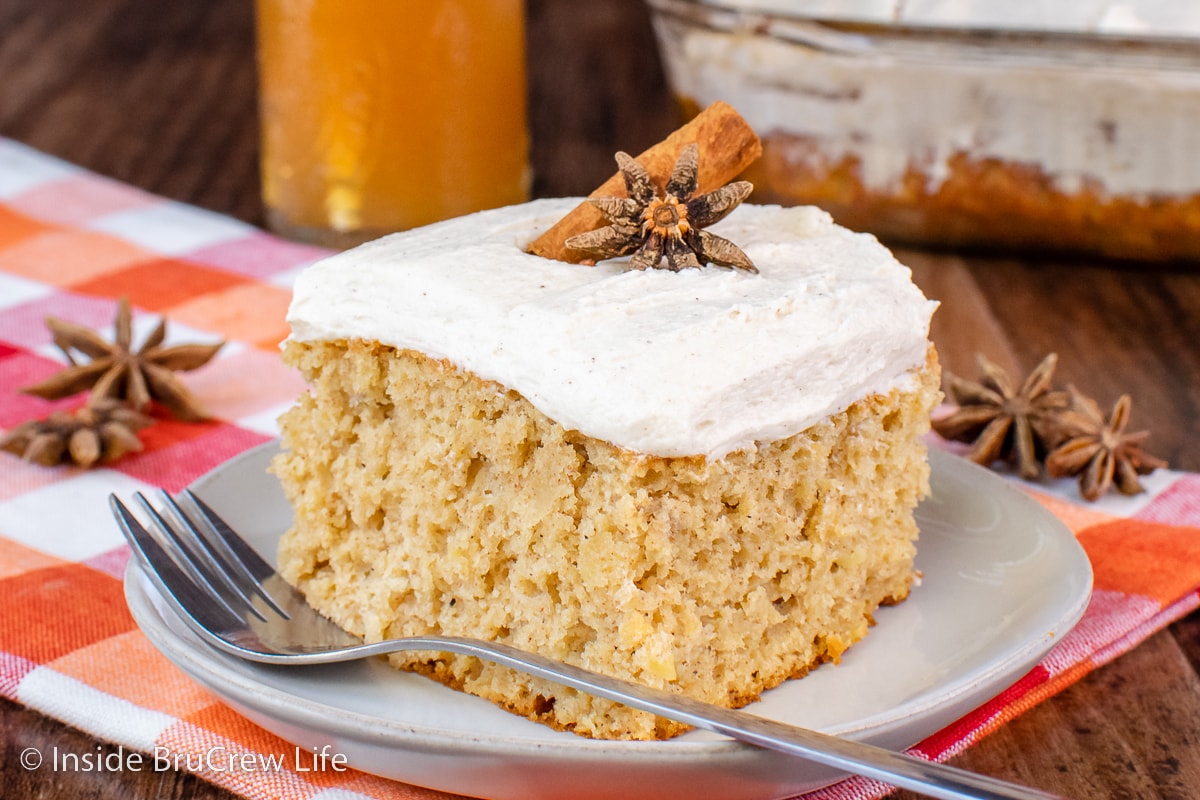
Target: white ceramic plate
(1003,581)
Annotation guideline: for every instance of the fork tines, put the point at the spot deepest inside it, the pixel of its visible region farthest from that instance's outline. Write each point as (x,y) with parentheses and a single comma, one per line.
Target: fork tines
(194,556)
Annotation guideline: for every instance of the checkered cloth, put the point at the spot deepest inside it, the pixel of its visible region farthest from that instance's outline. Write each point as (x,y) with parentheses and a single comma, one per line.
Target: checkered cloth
(72,243)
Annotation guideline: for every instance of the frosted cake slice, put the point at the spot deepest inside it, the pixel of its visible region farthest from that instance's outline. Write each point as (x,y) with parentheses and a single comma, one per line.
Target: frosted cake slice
(703,480)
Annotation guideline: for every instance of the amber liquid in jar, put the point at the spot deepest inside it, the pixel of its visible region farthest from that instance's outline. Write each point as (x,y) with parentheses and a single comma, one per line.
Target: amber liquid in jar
(383,115)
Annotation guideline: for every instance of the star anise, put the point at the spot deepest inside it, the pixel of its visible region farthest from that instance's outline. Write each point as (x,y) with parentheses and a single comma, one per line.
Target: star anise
(115,370)
(1099,450)
(99,432)
(654,228)
(1001,420)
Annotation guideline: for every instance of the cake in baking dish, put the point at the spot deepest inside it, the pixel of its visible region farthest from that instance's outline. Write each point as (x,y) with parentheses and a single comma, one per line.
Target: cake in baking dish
(1032,139)
(702,480)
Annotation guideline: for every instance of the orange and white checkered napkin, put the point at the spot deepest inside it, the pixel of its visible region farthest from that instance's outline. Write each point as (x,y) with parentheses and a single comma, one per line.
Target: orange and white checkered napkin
(72,243)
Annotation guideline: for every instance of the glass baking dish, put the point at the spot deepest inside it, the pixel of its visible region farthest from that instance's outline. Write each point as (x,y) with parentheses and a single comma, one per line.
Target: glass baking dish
(1068,135)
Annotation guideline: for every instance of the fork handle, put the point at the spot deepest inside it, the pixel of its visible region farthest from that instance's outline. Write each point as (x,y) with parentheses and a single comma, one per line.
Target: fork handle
(898,769)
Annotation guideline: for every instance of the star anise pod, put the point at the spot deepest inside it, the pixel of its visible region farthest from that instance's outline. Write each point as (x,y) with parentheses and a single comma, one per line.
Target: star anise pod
(1099,450)
(115,370)
(1004,421)
(654,228)
(99,432)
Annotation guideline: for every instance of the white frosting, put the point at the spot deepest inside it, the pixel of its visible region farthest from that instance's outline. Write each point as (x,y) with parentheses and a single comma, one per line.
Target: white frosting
(1166,18)
(1122,121)
(702,361)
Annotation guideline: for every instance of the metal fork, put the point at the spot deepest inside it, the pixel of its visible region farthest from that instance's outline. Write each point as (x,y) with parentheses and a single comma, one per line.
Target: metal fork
(236,602)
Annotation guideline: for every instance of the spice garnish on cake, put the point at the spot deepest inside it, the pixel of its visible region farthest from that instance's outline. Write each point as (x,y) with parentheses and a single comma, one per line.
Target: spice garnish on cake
(701,480)
(669,228)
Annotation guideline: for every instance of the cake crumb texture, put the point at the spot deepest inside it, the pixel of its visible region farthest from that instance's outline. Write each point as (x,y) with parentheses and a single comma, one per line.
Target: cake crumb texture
(428,500)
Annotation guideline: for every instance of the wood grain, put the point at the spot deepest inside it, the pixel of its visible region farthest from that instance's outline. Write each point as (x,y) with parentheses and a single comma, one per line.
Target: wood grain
(161,96)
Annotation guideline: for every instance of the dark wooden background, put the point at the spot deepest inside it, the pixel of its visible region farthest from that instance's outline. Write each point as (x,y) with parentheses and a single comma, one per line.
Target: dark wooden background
(162,95)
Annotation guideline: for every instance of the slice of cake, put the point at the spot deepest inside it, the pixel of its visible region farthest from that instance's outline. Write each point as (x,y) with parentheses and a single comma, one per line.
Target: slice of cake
(702,480)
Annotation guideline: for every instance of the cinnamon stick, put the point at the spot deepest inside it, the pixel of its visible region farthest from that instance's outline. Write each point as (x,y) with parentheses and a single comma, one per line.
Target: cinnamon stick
(727,146)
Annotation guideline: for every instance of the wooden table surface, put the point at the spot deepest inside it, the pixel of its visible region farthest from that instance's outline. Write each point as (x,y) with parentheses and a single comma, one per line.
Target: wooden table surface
(162,96)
